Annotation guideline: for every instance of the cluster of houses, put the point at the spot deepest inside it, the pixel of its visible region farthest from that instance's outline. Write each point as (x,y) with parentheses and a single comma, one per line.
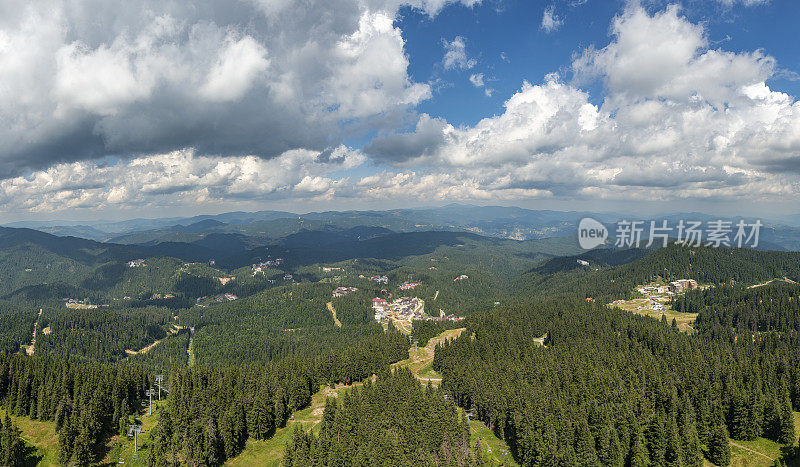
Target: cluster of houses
(400,308)
(76,303)
(409,285)
(225,280)
(379,279)
(270,263)
(330,269)
(226,297)
(651,305)
(461,277)
(342,291)
(451,317)
(653,289)
(136,263)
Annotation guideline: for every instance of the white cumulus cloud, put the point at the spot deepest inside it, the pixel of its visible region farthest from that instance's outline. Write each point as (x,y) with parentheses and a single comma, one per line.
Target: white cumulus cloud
(550,21)
(476,79)
(455,55)
(679,120)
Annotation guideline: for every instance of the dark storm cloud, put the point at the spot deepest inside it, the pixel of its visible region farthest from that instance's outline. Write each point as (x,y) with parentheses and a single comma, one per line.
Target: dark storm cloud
(665,177)
(400,147)
(88,79)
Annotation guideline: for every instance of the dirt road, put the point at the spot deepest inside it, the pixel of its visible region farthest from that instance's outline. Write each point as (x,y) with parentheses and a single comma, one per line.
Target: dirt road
(333,312)
(420,358)
(32,348)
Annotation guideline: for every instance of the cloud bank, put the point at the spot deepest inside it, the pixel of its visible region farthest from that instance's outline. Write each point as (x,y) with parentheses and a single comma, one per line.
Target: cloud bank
(179,106)
(87,79)
(679,120)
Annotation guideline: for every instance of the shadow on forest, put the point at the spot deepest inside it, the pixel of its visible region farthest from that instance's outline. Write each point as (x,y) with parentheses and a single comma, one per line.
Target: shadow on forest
(30,456)
(790,456)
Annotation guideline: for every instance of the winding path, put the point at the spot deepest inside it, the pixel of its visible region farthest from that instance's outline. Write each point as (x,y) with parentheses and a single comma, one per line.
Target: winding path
(418,359)
(32,348)
(146,348)
(190,347)
(333,312)
(751,450)
(785,280)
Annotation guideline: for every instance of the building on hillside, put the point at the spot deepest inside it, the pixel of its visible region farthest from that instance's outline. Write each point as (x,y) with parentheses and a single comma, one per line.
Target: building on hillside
(288,277)
(583,263)
(409,285)
(79,304)
(227,297)
(461,277)
(443,317)
(401,308)
(225,280)
(379,279)
(271,263)
(137,263)
(408,308)
(379,305)
(682,285)
(342,291)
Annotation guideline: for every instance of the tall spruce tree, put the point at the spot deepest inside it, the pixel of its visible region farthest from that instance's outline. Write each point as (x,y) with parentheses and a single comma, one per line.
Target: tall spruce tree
(719,448)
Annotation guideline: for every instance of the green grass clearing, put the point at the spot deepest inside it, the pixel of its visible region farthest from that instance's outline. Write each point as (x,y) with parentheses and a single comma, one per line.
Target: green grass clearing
(40,436)
(270,452)
(641,306)
(120,448)
(495,450)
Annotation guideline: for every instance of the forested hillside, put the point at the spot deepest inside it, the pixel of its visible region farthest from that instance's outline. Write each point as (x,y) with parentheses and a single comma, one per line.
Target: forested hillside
(415,426)
(212,411)
(775,307)
(101,335)
(704,264)
(243,347)
(611,387)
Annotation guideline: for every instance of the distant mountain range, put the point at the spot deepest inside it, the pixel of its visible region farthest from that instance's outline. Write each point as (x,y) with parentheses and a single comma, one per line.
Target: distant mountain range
(263,227)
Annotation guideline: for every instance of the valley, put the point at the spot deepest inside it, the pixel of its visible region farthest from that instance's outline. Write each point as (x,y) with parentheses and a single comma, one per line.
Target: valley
(366,233)
(268,334)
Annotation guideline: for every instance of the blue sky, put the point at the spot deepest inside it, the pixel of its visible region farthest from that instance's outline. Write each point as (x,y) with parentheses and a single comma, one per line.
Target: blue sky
(205,106)
(513,28)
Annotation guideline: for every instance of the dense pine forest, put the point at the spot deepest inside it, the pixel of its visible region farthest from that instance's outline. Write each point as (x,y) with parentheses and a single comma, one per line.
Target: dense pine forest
(12,448)
(415,425)
(774,307)
(606,388)
(613,388)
